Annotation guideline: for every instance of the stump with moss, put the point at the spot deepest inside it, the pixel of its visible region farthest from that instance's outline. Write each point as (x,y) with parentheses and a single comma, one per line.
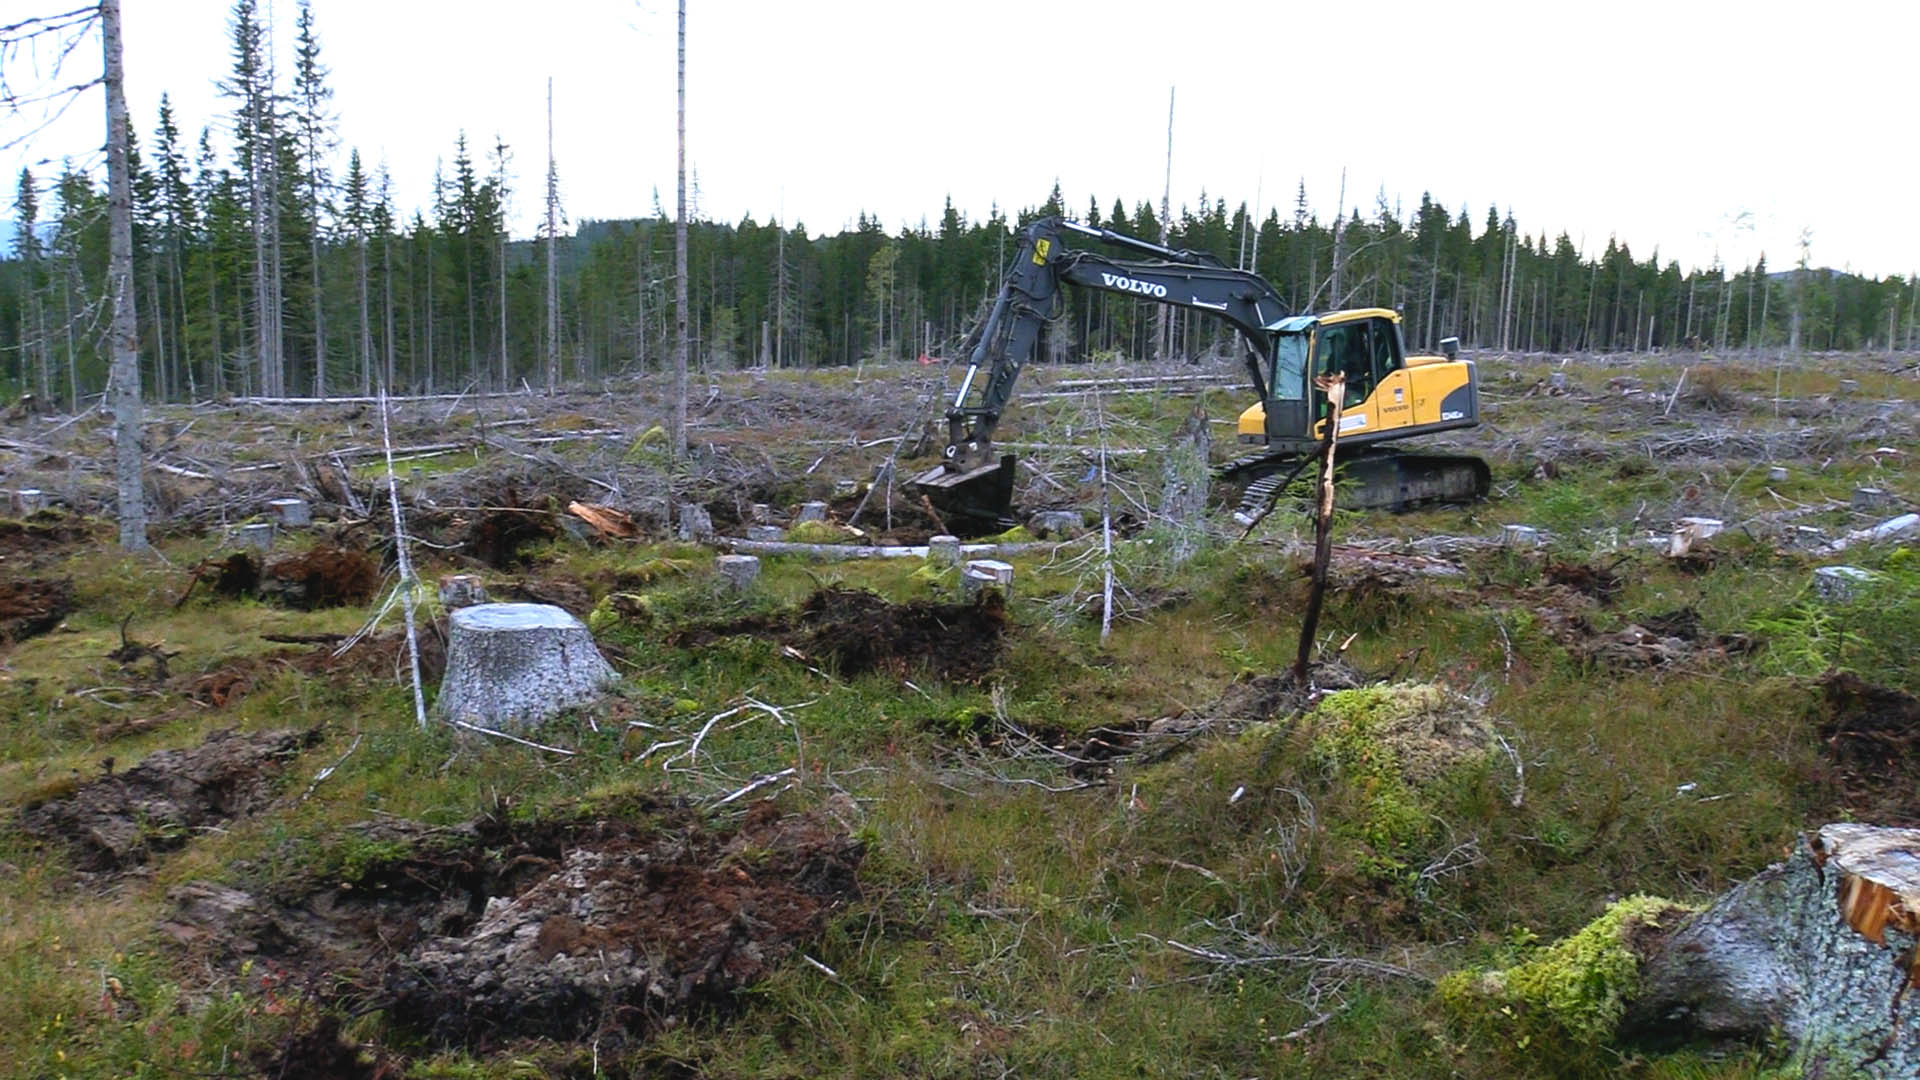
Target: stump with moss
(1815,955)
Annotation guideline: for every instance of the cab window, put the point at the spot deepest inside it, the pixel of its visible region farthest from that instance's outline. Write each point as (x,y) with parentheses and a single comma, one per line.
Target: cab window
(1347,348)
(1289,378)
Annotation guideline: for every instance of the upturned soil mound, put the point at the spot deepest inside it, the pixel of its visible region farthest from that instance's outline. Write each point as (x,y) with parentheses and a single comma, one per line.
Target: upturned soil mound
(48,532)
(856,631)
(321,577)
(1651,642)
(380,656)
(121,820)
(32,606)
(497,931)
(497,535)
(1871,737)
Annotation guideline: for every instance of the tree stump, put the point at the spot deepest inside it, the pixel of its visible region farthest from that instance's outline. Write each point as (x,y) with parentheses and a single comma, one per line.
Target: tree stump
(1840,584)
(461,591)
(518,664)
(258,535)
(696,525)
(944,550)
(1056,524)
(291,513)
(983,575)
(1820,948)
(737,572)
(811,511)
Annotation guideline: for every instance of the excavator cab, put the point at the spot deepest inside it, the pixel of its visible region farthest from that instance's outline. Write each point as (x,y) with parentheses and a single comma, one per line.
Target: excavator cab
(1388,393)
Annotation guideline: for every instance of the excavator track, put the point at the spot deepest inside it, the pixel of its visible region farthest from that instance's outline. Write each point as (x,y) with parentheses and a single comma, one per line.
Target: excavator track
(1372,478)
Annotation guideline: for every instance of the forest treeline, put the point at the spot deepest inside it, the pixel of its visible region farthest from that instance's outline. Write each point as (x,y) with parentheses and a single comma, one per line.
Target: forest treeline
(261,268)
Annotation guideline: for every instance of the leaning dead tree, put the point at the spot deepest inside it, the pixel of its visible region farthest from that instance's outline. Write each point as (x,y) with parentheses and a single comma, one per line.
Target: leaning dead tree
(680,346)
(126,330)
(1335,387)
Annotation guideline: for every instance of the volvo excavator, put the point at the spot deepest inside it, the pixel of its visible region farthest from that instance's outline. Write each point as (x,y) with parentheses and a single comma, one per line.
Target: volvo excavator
(1393,395)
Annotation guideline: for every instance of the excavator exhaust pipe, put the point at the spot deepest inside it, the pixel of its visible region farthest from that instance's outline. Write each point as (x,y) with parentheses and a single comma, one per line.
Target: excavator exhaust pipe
(972,502)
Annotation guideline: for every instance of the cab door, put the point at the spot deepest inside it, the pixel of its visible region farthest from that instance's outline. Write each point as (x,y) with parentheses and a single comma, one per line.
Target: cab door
(1346,348)
(1393,397)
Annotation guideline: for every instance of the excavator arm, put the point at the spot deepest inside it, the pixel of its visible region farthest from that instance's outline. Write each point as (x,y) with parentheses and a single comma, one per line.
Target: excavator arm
(969,485)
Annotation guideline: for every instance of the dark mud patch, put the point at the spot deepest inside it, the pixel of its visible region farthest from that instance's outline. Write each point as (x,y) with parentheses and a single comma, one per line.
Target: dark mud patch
(1870,739)
(121,820)
(496,931)
(854,632)
(907,521)
(321,577)
(32,606)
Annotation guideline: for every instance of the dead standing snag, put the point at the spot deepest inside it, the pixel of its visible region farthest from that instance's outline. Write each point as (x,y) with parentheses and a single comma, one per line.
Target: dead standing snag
(1335,387)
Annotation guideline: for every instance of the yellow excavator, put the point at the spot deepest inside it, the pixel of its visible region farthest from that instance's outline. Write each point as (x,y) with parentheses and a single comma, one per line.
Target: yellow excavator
(1394,396)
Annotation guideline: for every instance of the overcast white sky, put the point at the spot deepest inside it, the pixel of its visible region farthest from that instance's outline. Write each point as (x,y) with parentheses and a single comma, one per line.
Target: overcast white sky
(1659,123)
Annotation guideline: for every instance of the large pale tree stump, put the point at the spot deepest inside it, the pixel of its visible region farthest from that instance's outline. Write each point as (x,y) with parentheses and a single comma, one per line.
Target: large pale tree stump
(515,665)
(1819,949)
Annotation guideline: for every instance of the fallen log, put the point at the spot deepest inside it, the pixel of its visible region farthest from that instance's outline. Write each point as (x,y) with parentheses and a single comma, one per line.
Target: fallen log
(1820,948)
(841,552)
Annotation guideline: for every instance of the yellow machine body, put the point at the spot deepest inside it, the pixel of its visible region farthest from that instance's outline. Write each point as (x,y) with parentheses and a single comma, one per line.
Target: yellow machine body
(1390,395)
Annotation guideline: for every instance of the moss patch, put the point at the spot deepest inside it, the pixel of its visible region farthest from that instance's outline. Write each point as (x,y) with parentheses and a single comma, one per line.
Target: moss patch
(1386,742)
(818,532)
(1576,988)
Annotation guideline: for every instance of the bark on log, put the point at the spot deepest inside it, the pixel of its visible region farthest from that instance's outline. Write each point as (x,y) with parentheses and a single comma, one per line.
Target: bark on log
(1820,949)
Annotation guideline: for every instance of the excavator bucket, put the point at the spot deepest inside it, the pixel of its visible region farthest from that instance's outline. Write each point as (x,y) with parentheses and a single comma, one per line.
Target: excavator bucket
(971,502)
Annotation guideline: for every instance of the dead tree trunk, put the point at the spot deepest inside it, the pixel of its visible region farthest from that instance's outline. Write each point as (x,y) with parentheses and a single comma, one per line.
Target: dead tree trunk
(125,332)
(681,343)
(1335,387)
(1820,949)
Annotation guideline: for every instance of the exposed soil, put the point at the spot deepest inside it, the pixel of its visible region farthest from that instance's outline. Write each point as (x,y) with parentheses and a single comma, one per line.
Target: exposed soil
(496,536)
(1650,642)
(321,577)
(496,931)
(855,631)
(33,606)
(1599,582)
(912,523)
(23,542)
(1871,741)
(318,1053)
(237,576)
(383,655)
(568,595)
(121,820)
